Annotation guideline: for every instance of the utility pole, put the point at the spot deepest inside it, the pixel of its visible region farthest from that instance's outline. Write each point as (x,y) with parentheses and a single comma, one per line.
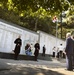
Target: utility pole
(61,23)
(36,24)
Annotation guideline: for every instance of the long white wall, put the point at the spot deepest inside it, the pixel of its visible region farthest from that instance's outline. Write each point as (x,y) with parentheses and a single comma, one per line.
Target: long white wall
(49,41)
(8,33)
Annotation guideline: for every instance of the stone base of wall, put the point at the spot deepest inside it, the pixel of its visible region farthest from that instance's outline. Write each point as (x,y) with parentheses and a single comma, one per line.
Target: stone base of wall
(11,56)
(24,57)
(46,57)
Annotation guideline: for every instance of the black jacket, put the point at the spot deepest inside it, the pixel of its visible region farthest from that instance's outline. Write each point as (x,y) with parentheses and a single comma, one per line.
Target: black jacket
(69,46)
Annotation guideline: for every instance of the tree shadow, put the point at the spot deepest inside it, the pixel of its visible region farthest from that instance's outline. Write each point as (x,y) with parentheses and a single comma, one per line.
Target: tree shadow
(29,71)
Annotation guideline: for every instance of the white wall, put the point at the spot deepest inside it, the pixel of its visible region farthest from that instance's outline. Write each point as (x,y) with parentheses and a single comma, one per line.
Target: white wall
(49,41)
(9,33)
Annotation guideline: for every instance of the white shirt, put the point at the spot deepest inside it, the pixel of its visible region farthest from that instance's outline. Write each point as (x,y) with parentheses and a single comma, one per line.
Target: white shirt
(54,49)
(61,48)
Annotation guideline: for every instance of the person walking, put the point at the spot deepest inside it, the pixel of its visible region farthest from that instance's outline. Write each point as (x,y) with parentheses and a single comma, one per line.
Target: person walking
(18,43)
(70,51)
(44,49)
(61,48)
(36,52)
(54,51)
(68,35)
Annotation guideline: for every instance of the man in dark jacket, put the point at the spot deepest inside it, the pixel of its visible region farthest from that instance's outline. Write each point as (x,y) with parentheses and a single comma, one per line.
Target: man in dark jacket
(37,47)
(70,51)
(18,43)
(44,49)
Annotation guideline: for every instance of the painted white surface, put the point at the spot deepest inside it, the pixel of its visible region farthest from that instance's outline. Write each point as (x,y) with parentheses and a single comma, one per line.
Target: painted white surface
(9,33)
(49,41)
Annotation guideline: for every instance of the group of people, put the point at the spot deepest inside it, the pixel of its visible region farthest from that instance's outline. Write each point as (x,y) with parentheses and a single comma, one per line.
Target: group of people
(58,52)
(69,50)
(18,45)
(28,50)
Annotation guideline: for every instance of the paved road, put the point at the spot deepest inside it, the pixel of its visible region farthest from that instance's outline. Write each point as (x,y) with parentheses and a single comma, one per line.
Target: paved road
(23,67)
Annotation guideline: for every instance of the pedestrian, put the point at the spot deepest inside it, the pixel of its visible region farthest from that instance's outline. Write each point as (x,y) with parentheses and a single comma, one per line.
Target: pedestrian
(61,48)
(44,49)
(54,51)
(28,50)
(18,43)
(68,35)
(57,52)
(36,52)
(70,51)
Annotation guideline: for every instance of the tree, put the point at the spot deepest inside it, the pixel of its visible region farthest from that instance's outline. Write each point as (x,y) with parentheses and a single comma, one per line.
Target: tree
(71,1)
(36,14)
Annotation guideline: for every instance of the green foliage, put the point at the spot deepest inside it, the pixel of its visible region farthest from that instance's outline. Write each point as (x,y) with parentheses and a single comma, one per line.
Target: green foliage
(3,3)
(37,14)
(70,21)
(25,4)
(71,1)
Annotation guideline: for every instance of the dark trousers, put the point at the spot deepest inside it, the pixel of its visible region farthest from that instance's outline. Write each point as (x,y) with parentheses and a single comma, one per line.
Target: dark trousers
(53,54)
(61,54)
(73,61)
(43,54)
(64,56)
(16,56)
(70,62)
(36,53)
(36,58)
(58,55)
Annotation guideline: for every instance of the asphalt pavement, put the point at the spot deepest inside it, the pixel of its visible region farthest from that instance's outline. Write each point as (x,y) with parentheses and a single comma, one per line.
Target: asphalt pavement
(40,67)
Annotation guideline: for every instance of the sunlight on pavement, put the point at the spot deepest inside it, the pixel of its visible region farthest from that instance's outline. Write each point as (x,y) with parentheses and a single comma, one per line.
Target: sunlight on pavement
(11,64)
(34,68)
(63,71)
(40,74)
(28,65)
(25,73)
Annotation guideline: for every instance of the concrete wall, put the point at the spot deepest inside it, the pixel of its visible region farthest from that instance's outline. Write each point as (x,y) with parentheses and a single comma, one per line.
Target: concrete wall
(49,41)
(9,32)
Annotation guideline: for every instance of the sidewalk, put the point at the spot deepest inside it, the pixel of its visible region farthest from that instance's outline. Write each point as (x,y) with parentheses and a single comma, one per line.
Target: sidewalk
(22,67)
